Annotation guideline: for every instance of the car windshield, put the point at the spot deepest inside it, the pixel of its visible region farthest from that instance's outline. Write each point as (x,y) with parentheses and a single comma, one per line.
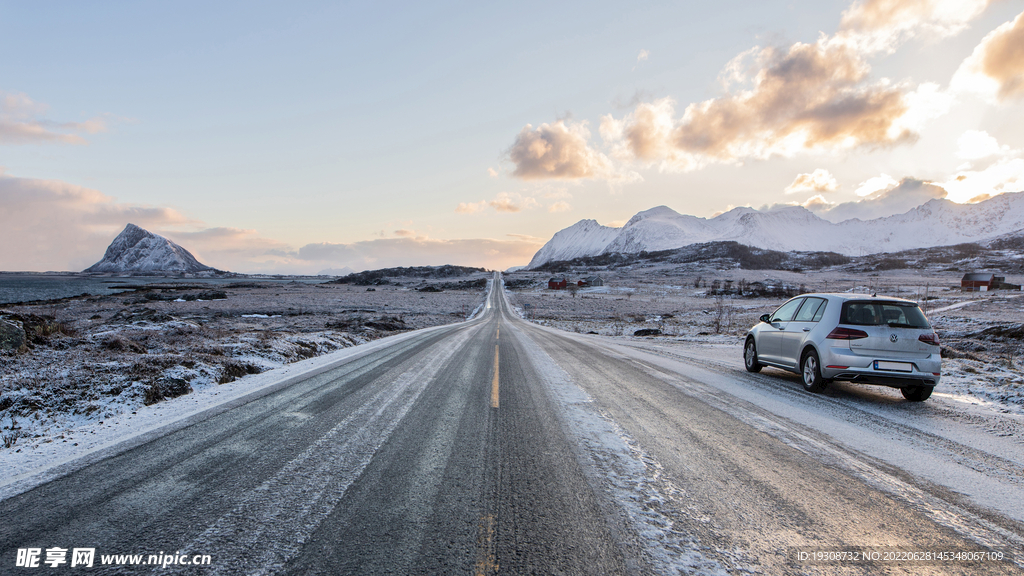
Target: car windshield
(895,314)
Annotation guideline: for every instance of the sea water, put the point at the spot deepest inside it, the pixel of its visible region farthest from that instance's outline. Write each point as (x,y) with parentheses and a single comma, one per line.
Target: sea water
(23,287)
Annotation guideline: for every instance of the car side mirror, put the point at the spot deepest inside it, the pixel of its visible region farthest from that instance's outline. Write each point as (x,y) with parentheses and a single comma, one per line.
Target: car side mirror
(765,318)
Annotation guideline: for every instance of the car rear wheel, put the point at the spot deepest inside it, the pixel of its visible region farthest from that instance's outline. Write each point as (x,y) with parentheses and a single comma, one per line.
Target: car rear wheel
(750,357)
(917,393)
(811,373)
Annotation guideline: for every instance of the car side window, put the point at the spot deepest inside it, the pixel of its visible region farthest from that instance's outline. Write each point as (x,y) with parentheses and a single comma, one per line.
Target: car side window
(809,311)
(786,311)
(821,311)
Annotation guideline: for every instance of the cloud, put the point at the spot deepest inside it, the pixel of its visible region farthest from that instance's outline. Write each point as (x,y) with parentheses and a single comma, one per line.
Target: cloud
(557,151)
(646,134)
(503,202)
(978,144)
(560,206)
(783,101)
(882,25)
(817,203)
(820,180)
(641,57)
(876,185)
(384,253)
(234,249)
(21,122)
(514,202)
(492,172)
(53,225)
(995,70)
(528,238)
(246,251)
(808,97)
(904,195)
(816,97)
(470,207)
(1005,175)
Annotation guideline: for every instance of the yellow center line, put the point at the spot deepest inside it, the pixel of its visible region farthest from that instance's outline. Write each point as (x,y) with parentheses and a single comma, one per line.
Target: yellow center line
(486,563)
(494,383)
(497,335)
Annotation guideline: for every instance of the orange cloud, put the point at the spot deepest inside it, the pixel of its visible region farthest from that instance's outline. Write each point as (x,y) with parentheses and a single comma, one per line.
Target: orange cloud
(809,96)
(781,101)
(820,180)
(515,202)
(996,67)
(557,151)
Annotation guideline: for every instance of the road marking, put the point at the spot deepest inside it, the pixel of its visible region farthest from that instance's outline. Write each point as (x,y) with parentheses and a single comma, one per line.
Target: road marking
(497,335)
(486,563)
(494,383)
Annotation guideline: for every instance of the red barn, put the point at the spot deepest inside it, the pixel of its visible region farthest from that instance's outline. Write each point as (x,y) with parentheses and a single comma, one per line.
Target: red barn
(558,284)
(980,282)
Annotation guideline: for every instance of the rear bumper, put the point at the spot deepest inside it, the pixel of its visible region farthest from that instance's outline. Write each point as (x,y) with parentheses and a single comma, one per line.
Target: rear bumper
(902,381)
(860,369)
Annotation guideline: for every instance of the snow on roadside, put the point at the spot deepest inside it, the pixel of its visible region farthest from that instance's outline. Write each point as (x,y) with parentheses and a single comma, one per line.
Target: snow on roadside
(79,436)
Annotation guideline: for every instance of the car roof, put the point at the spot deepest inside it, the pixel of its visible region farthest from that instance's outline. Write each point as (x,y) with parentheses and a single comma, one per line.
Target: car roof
(847,296)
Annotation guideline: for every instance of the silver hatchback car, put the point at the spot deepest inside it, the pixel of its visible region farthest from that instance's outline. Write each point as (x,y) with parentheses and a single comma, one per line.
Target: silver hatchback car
(851,337)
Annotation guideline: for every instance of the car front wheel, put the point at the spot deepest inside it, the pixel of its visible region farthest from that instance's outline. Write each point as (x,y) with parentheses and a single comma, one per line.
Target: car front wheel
(917,393)
(750,356)
(811,372)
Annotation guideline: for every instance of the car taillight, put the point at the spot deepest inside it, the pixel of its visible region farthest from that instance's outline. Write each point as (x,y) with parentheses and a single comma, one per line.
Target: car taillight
(932,338)
(841,333)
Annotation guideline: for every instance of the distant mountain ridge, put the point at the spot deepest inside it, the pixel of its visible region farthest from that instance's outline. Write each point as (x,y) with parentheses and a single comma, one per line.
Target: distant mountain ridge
(136,250)
(792,228)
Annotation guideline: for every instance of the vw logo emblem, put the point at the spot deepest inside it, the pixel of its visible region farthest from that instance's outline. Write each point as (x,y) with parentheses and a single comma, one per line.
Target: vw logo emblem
(893,338)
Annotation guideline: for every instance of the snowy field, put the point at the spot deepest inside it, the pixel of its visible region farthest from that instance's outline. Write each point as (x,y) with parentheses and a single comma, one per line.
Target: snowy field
(95,368)
(982,334)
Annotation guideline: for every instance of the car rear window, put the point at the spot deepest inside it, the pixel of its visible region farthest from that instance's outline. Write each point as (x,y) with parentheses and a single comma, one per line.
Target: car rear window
(895,314)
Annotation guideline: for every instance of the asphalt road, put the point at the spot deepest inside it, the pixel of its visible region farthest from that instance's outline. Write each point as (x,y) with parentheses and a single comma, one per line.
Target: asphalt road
(499,447)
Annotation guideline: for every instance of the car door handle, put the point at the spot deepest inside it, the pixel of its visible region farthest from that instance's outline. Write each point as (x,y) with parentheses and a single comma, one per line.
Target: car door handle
(807,329)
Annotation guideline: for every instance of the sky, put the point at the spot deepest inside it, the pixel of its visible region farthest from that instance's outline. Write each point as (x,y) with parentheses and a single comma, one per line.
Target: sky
(309,137)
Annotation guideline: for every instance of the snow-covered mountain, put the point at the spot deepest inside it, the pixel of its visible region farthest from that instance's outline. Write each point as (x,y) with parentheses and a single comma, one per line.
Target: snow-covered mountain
(584,238)
(935,223)
(136,250)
